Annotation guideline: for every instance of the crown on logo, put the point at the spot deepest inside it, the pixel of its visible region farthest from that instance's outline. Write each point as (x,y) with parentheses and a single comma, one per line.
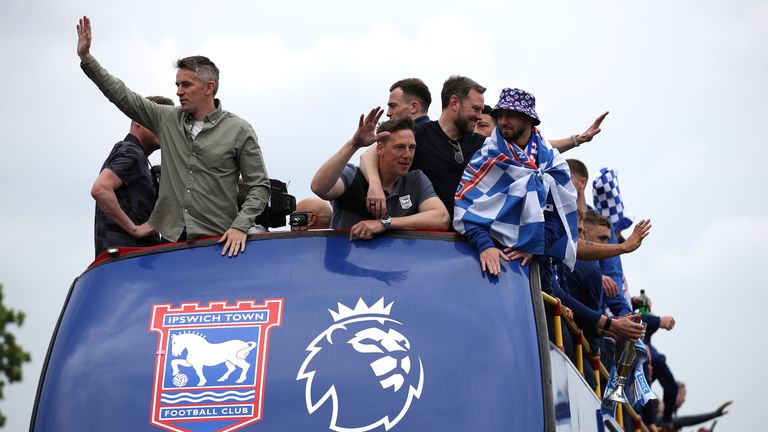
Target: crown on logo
(361,308)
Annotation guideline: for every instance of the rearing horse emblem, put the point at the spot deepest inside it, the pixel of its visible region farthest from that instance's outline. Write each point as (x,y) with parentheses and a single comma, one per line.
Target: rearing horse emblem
(201,353)
(210,363)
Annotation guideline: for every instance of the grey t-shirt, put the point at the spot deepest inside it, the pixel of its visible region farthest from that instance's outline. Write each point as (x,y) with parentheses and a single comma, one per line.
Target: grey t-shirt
(403,200)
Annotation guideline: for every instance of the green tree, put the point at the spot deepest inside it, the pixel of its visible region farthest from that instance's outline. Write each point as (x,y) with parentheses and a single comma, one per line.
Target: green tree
(11,355)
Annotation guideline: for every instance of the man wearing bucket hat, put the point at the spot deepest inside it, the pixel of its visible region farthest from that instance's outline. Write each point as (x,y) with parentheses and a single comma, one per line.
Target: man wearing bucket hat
(517,191)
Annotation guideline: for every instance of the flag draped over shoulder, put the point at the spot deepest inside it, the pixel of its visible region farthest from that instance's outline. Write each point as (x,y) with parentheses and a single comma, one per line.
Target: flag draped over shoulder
(505,191)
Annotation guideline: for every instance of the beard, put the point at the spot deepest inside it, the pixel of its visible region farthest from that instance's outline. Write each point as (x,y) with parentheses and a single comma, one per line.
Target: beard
(512,135)
(464,125)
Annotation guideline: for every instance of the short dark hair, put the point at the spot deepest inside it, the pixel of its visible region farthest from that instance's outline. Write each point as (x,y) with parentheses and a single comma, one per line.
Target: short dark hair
(203,67)
(415,88)
(577,167)
(592,217)
(394,125)
(161,100)
(487,110)
(457,85)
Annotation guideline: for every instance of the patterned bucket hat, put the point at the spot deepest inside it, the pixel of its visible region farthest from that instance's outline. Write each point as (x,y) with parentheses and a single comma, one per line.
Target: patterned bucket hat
(607,199)
(517,100)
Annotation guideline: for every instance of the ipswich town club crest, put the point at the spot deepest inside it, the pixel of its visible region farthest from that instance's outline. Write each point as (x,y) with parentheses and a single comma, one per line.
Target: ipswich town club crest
(210,363)
(362,370)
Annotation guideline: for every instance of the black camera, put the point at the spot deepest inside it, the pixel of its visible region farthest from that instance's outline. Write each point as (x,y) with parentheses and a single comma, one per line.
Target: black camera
(281,204)
(299,221)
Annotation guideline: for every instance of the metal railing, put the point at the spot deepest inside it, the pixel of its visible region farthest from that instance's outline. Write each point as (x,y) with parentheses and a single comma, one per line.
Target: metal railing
(581,346)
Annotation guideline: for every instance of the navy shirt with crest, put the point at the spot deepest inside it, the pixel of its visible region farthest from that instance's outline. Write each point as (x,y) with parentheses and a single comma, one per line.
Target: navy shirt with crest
(404,199)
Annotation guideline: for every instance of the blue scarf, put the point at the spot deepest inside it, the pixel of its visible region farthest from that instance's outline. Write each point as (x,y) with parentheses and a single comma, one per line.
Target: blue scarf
(642,391)
(505,190)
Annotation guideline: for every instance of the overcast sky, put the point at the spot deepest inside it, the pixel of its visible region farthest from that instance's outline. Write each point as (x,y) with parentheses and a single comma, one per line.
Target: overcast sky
(685,83)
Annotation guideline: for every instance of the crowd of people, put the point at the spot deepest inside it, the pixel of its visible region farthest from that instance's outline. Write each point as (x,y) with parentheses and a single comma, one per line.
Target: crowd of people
(486,172)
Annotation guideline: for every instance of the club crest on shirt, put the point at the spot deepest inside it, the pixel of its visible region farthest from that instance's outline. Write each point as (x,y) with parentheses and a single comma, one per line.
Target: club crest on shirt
(210,363)
(405,202)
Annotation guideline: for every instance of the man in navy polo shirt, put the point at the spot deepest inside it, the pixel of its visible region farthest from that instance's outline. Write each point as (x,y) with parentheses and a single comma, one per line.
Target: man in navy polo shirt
(411,201)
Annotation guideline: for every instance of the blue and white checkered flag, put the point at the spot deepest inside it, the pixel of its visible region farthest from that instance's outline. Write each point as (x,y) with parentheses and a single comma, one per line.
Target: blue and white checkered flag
(607,199)
(505,192)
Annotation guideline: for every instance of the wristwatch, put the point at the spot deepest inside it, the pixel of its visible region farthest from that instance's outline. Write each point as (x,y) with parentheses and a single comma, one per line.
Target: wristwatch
(386,221)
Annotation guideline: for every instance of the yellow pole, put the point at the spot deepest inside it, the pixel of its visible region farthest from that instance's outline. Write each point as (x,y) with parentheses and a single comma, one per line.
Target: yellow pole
(620,415)
(556,312)
(596,368)
(579,355)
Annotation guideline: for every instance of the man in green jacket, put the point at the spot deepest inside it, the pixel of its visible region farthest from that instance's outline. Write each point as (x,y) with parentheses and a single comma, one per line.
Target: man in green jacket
(205,150)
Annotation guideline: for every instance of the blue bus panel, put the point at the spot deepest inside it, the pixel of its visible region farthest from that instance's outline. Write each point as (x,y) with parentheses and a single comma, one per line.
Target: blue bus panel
(299,333)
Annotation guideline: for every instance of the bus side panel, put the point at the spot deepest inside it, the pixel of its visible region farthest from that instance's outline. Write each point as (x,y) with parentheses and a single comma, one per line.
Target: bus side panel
(471,342)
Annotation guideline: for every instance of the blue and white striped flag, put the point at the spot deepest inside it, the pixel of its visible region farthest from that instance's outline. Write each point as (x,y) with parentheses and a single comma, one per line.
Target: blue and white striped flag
(505,191)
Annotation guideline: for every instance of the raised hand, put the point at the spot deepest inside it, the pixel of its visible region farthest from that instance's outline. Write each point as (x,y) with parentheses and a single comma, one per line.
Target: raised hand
(591,131)
(641,231)
(365,134)
(84,38)
(724,408)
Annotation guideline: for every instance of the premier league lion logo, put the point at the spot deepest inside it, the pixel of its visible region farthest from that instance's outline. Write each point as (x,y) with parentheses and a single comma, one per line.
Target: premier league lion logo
(381,374)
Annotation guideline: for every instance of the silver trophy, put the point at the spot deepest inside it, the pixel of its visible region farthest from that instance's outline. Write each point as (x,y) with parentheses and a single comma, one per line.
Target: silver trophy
(623,370)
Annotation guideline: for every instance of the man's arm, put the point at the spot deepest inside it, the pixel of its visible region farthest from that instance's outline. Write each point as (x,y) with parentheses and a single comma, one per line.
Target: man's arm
(695,419)
(254,174)
(103,191)
(327,182)
(595,251)
(432,215)
(376,201)
(136,107)
(565,144)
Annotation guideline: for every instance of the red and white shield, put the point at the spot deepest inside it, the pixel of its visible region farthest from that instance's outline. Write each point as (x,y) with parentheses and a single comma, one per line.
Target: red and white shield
(210,363)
